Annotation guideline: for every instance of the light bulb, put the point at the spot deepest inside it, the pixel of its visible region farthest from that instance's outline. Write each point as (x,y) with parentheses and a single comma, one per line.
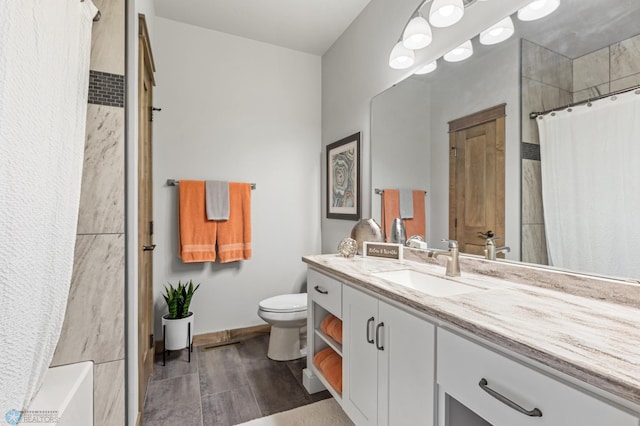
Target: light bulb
(418,34)
(460,53)
(497,32)
(430,67)
(538,9)
(444,13)
(401,57)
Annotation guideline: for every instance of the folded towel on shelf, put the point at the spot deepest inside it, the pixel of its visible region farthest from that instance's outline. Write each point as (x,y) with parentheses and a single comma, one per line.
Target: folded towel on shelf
(332,327)
(217,199)
(416,225)
(330,365)
(197,241)
(406,203)
(390,210)
(234,235)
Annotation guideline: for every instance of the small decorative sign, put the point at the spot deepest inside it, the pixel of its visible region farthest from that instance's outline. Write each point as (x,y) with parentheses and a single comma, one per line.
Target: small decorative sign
(384,250)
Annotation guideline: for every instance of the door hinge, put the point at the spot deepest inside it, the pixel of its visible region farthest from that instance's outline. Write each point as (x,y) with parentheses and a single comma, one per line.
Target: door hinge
(151,110)
(455,151)
(151,340)
(455,223)
(151,227)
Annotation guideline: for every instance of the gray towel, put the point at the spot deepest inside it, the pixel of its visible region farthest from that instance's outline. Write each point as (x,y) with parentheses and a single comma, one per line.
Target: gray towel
(406,203)
(217,199)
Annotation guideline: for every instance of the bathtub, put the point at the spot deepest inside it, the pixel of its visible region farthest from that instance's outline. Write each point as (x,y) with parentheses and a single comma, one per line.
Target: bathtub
(65,398)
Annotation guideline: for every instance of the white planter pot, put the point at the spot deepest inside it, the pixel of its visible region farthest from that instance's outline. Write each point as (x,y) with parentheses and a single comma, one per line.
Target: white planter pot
(176,332)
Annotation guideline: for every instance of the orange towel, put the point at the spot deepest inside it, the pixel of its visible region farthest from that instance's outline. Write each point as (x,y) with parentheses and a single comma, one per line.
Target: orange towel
(234,235)
(330,365)
(332,327)
(197,234)
(416,226)
(391,210)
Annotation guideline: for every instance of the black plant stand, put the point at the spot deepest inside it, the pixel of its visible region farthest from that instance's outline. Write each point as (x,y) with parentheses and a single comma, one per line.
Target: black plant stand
(189,344)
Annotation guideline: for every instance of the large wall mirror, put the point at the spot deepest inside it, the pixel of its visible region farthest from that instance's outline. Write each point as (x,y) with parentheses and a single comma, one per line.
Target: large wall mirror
(584,49)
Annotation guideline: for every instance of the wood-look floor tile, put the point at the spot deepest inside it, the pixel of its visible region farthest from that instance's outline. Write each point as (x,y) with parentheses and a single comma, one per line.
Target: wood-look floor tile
(254,348)
(296,367)
(274,387)
(177,364)
(220,370)
(173,401)
(229,408)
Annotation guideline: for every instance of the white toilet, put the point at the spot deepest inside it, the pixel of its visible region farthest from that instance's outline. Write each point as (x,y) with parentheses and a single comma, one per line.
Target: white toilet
(287,314)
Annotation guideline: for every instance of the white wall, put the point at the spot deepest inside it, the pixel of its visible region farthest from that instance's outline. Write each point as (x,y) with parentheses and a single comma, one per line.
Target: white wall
(239,110)
(401,141)
(355,69)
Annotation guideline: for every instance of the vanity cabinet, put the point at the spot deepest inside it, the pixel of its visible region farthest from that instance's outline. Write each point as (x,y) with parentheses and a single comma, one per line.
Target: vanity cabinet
(490,385)
(388,363)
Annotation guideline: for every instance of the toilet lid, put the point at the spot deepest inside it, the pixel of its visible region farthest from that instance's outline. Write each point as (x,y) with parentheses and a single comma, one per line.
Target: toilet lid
(285,303)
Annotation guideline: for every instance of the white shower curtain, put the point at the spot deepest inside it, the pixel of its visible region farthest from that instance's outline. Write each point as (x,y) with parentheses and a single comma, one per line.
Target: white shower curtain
(44,71)
(590,186)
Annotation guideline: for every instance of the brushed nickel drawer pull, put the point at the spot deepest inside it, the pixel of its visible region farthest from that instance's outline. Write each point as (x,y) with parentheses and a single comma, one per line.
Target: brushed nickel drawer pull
(369,322)
(531,413)
(320,290)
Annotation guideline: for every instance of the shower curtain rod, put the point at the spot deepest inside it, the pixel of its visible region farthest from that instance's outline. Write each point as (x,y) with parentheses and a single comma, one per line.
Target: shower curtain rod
(173,182)
(534,115)
(381,191)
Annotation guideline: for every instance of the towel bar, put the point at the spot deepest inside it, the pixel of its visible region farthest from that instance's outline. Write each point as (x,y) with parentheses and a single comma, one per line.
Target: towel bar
(173,182)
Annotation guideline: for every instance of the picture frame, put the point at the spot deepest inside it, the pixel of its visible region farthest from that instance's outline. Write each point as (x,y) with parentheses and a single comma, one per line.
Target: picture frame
(343,178)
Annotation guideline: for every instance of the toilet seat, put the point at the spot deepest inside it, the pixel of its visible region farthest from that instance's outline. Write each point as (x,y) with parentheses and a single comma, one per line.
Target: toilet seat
(285,303)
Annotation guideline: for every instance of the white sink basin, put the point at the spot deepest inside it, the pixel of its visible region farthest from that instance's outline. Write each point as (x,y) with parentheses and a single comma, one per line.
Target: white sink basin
(429,284)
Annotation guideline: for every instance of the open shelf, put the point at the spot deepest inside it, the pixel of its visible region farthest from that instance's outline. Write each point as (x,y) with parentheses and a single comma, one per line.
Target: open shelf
(337,395)
(334,344)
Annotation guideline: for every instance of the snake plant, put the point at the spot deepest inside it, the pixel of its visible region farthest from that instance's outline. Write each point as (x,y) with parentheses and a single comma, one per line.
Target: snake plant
(179,298)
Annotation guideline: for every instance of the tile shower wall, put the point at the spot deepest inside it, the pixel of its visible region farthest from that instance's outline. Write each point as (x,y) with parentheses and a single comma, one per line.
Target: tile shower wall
(550,80)
(94,321)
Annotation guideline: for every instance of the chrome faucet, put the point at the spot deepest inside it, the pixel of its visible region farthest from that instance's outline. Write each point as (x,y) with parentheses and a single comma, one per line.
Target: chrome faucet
(490,249)
(453,264)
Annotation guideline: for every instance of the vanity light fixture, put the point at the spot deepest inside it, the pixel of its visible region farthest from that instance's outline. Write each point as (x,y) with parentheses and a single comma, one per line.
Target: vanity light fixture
(460,53)
(401,57)
(444,13)
(430,67)
(498,32)
(537,9)
(417,34)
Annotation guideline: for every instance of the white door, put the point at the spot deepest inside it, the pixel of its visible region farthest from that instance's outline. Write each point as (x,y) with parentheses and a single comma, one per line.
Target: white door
(360,357)
(406,369)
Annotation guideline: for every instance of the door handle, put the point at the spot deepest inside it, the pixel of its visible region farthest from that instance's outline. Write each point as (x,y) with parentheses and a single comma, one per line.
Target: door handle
(378,327)
(369,322)
(149,248)
(321,290)
(531,413)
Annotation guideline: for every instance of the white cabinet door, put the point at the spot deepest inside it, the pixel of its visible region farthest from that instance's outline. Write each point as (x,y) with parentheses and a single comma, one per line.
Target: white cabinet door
(388,363)
(406,369)
(359,357)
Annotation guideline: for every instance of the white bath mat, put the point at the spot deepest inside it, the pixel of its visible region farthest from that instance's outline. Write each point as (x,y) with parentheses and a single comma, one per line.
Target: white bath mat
(323,413)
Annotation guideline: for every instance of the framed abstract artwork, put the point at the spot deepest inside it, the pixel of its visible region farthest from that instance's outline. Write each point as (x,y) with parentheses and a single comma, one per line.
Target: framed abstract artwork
(343,178)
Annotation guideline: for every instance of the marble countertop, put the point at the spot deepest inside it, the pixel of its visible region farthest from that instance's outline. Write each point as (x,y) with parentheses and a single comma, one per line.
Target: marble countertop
(595,341)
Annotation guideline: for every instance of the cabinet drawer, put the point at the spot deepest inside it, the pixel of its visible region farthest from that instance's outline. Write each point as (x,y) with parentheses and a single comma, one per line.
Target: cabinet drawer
(463,364)
(325,291)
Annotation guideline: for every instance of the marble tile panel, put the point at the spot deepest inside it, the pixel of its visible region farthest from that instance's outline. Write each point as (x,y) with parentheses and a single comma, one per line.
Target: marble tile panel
(230,408)
(626,82)
(534,244)
(591,70)
(173,401)
(102,191)
(538,97)
(546,66)
(93,326)
(108,400)
(592,92)
(108,37)
(220,370)
(625,58)
(532,211)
